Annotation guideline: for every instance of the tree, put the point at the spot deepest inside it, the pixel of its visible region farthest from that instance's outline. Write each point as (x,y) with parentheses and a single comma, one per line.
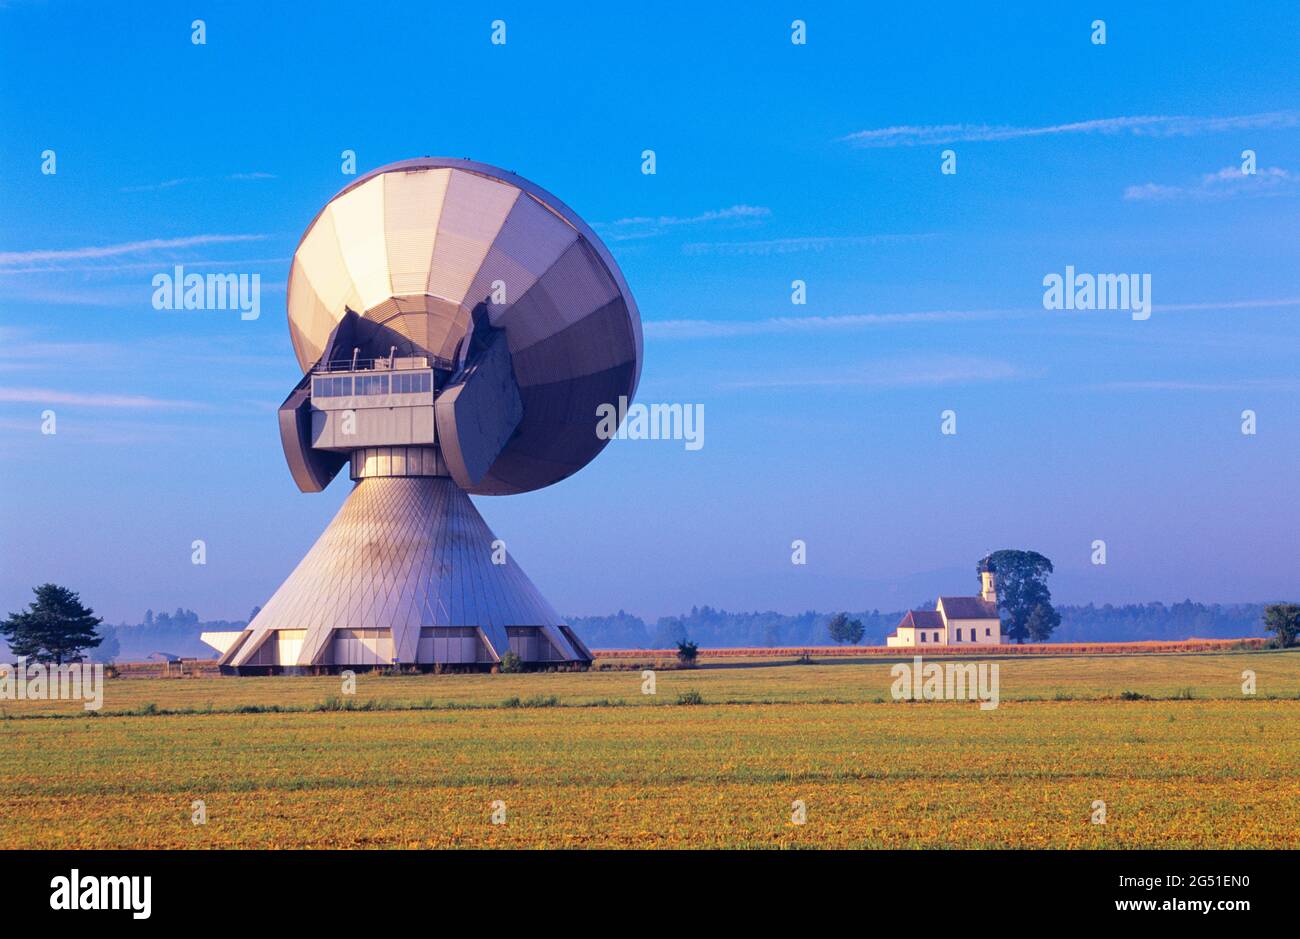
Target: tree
(56,628)
(843,629)
(687,652)
(1024,601)
(669,631)
(109,647)
(1284,620)
(1042,620)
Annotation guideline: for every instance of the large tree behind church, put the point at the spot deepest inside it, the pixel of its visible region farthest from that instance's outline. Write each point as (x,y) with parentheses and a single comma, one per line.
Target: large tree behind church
(56,628)
(1024,602)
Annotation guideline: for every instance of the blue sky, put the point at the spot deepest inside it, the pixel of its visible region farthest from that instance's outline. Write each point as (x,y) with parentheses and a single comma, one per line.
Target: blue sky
(776,162)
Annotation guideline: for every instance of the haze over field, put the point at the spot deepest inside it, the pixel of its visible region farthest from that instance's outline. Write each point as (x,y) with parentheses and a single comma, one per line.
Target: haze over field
(178,633)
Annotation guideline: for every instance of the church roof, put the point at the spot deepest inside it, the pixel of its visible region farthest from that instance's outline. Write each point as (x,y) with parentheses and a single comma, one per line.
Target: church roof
(920,619)
(969,608)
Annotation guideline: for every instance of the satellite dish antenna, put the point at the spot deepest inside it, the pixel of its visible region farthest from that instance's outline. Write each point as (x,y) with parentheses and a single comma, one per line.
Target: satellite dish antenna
(458,327)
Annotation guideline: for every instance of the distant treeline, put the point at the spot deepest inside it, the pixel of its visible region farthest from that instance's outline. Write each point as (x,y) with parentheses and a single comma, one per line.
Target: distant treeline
(719,629)
(163,633)
(178,633)
(712,628)
(166,634)
(1136,622)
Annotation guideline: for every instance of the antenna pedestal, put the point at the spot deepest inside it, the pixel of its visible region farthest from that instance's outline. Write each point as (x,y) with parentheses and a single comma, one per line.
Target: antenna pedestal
(406,574)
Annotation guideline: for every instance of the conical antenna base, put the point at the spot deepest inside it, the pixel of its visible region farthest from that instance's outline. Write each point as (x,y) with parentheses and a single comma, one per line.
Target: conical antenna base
(407,574)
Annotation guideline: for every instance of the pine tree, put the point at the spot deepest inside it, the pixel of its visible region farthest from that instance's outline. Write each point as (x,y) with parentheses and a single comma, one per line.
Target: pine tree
(56,628)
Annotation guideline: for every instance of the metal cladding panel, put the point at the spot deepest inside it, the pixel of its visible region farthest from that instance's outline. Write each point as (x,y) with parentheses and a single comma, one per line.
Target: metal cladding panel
(311,469)
(384,312)
(575,642)
(444,326)
(561,443)
(559,436)
(476,416)
(402,553)
(429,323)
(233,649)
(497,268)
(511,473)
(578,285)
(358,218)
(473,212)
(406,337)
(565,649)
(411,199)
(529,243)
(459,327)
(310,337)
(575,287)
(453,644)
(321,260)
(416,304)
(536,235)
(571,402)
(594,344)
(530,319)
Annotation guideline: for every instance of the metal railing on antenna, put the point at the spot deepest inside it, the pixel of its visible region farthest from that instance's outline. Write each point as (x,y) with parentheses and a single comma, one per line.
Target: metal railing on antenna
(383,364)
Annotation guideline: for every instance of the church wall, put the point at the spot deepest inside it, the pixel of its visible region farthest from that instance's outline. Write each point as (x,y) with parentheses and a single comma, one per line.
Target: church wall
(992,626)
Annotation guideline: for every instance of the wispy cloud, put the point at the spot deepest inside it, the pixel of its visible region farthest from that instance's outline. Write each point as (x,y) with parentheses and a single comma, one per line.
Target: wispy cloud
(648,226)
(914,135)
(1240,384)
(927,372)
(228,264)
(16,258)
(92,399)
(53,295)
(1227,183)
(1229,305)
(186,180)
(26,349)
(784,325)
(135,295)
(792,245)
(155,187)
(172,354)
(789,325)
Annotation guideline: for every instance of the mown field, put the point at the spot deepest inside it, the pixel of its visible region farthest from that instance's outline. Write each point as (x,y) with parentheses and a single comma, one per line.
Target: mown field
(587,760)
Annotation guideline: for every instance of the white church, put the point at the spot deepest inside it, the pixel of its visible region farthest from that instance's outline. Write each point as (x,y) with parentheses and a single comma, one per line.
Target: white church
(955,621)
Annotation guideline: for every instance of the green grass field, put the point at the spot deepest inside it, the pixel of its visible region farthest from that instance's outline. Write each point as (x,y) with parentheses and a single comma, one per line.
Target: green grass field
(1195,763)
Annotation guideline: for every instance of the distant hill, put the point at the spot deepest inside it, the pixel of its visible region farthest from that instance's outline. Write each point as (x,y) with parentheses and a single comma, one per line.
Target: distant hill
(178,633)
